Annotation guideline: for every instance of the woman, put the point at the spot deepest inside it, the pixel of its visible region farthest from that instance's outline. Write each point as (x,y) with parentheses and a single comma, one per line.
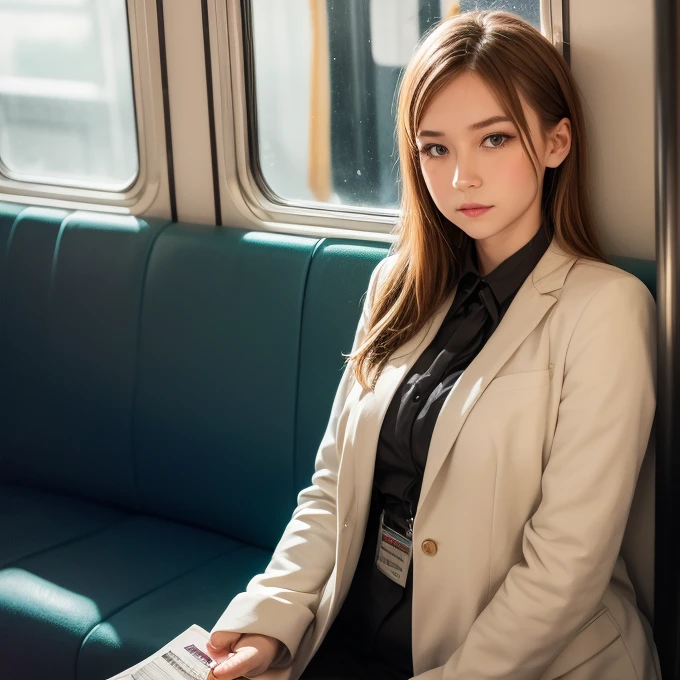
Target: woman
(473,485)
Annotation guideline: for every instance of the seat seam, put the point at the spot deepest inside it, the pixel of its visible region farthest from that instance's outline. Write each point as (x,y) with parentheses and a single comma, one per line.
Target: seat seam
(4,281)
(136,370)
(64,543)
(111,614)
(298,369)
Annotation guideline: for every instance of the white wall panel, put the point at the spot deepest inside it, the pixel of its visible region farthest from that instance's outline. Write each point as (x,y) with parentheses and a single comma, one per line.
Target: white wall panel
(187,91)
(612,60)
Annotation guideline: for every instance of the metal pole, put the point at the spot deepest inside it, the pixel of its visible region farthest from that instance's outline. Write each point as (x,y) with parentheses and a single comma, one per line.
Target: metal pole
(667,152)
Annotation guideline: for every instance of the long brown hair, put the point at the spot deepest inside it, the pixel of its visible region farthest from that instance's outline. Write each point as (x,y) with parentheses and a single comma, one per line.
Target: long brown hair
(511,57)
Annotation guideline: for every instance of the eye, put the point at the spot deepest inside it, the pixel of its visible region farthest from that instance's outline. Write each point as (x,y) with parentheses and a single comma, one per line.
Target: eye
(496,141)
(434,150)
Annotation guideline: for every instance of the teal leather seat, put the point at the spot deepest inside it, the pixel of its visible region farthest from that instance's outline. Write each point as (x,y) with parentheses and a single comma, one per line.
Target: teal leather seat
(154,391)
(163,391)
(232,404)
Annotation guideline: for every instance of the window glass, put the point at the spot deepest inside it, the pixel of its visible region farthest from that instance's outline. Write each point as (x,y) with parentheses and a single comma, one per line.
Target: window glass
(66,102)
(326,73)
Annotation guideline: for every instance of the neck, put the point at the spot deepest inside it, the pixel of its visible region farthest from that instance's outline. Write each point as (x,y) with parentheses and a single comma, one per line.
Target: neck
(499,247)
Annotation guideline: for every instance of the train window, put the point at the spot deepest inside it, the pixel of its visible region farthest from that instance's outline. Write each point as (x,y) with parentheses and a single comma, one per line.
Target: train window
(322,99)
(67,114)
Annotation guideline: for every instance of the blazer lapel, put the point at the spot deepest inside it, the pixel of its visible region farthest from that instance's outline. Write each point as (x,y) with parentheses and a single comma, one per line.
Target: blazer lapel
(531,304)
(365,420)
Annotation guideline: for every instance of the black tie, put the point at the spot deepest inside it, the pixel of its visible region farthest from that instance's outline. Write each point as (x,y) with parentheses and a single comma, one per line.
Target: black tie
(477,308)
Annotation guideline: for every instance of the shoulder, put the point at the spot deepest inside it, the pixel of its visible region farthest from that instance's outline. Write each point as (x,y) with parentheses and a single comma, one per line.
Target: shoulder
(591,283)
(380,273)
(383,268)
(596,295)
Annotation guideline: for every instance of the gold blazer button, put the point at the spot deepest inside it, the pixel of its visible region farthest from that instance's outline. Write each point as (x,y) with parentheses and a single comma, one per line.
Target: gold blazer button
(429,547)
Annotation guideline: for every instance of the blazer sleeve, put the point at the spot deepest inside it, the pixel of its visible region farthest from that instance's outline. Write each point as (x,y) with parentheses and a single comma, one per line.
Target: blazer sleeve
(572,541)
(282,601)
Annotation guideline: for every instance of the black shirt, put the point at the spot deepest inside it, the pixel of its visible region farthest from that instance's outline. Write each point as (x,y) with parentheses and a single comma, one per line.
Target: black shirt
(377,611)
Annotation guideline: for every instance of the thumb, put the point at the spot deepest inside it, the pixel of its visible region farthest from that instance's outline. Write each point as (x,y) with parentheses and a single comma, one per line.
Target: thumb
(224,639)
(237,665)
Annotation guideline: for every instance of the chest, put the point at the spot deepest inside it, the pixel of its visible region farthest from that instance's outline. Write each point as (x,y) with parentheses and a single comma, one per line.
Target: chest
(491,475)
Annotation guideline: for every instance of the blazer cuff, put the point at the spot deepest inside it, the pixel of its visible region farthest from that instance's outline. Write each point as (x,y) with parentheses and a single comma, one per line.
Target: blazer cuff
(266,615)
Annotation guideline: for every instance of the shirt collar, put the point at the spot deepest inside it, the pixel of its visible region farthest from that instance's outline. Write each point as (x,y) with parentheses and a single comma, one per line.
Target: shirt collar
(509,275)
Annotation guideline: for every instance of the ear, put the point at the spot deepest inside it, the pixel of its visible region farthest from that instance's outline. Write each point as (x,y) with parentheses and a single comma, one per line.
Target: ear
(558,143)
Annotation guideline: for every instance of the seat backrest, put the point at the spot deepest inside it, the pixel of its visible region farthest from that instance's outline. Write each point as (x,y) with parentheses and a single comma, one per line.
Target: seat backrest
(181,370)
(189,371)
(337,282)
(71,288)
(214,417)
(240,349)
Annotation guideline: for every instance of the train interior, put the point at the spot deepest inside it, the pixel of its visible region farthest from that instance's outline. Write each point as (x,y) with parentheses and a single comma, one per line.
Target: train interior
(193,195)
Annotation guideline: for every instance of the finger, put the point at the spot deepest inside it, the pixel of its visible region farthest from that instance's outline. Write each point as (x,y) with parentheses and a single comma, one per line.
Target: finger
(210,676)
(219,655)
(241,663)
(219,648)
(223,639)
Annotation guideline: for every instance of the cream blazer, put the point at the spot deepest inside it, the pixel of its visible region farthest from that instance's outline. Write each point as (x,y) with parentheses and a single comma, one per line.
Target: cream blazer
(526,492)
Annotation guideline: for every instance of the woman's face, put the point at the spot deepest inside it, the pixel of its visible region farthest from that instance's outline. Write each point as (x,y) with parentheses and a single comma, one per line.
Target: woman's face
(471,153)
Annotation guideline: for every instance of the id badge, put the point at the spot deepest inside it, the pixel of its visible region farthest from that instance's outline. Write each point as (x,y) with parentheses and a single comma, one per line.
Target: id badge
(395,547)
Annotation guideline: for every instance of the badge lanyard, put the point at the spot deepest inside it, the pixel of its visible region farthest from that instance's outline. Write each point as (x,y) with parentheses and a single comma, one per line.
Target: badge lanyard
(395,547)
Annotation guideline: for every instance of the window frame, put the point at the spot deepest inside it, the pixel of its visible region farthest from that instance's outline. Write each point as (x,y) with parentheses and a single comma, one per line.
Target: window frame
(244,188)
(149,119)
(555,24)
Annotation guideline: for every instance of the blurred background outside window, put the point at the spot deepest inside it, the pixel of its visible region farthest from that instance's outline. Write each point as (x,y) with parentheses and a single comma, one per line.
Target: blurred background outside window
(326,72)
(66,97)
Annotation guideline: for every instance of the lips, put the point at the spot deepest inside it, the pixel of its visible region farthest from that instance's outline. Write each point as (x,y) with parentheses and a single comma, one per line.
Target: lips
(474,209)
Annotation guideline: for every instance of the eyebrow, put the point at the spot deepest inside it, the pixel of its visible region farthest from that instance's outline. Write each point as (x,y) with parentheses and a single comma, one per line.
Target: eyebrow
(475,126)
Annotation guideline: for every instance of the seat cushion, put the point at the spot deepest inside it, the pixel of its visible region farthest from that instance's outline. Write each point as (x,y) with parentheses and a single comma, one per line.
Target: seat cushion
(32,521)
(140,629)
(50,601)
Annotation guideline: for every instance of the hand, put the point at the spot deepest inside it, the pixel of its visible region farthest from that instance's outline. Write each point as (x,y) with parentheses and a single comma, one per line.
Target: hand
(241,654)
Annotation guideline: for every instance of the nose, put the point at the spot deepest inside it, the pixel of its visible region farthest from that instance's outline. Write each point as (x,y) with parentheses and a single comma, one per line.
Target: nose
(465,177)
